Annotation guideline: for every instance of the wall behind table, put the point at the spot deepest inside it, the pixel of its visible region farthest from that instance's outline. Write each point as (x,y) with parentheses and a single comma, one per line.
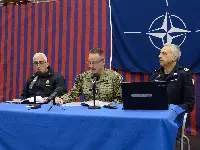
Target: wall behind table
(64,30)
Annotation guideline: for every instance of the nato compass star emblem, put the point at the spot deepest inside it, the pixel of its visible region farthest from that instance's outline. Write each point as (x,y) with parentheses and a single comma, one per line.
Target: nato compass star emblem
(167,31)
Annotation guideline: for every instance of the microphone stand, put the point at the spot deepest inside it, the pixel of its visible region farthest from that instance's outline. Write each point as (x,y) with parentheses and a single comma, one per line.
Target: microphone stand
(35,105)
(94,91)
(34,99)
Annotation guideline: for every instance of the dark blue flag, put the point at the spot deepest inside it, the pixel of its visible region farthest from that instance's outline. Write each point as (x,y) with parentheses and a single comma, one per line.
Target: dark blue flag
(140,28)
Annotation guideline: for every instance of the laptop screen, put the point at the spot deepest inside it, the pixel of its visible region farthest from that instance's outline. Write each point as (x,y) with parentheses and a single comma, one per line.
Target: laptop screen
(145,95)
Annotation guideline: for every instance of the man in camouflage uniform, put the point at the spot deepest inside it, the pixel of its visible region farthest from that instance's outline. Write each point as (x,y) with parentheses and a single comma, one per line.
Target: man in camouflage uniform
(108,85)
(180,84)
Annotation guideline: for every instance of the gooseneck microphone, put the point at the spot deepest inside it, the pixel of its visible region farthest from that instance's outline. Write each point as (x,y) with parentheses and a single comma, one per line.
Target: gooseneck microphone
(37,75)
(57,91)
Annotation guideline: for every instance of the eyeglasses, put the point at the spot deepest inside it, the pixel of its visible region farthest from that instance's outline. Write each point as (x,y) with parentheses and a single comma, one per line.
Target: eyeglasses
(94,62)
(36,63)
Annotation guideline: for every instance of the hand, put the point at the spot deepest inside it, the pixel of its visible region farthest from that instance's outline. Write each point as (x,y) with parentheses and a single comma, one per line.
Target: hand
(59,100)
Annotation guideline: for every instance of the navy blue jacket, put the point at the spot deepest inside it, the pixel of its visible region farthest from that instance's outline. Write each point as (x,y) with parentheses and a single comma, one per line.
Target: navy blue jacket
(180,86)
(45,85)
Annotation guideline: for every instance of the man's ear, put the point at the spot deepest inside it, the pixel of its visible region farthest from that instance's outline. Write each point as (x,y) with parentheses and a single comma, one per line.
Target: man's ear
(174,58)
(104,61)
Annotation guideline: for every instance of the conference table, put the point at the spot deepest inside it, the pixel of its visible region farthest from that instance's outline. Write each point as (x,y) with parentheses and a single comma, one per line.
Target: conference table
(80,128)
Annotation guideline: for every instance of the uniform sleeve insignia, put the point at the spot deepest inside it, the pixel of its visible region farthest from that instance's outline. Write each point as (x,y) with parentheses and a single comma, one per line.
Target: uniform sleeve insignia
(47,82)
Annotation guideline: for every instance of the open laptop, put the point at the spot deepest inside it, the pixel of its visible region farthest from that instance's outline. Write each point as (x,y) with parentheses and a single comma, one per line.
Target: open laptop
(144,95)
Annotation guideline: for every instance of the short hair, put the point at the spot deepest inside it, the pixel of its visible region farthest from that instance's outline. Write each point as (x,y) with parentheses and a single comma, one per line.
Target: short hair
(175,49)
(97,51)
(40,54)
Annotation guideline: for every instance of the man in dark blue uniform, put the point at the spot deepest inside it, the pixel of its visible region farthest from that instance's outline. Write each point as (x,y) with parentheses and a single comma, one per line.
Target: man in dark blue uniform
(180,84)
(179,81)
(45,81)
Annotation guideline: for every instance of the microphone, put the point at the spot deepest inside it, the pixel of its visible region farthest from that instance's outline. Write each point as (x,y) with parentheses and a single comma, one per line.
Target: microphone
(58,91)
(95,78)
(37,74)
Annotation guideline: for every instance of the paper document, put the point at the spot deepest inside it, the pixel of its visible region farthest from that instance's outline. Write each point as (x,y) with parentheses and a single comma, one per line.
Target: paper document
(39,99)
(72,104)
(90,103)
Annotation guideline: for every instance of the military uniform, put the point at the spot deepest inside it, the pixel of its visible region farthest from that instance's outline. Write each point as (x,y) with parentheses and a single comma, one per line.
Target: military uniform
(44,85)
(180,86)
(108,87)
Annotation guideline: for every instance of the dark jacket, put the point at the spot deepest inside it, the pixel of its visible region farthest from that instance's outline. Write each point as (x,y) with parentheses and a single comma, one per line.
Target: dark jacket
(180,86)
(45,85)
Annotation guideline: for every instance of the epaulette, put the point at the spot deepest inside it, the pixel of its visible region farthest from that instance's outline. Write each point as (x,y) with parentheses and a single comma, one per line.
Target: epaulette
(116,73)
(182,68)
(83,74)
(186,69)
(157,70)
(33,76)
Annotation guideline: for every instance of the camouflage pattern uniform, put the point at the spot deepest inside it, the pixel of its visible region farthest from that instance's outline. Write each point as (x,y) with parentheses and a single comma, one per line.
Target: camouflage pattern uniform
(108,85)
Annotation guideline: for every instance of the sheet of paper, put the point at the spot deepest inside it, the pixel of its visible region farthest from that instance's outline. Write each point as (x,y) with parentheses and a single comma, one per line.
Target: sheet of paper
(97,103)
(90,103)
(39,99)
(72,104)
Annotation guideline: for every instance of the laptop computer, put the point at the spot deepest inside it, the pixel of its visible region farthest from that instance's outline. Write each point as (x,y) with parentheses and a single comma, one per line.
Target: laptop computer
(144,95)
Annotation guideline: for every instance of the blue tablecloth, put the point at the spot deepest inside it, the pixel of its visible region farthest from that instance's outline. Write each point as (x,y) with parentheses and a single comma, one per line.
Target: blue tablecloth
(79,128)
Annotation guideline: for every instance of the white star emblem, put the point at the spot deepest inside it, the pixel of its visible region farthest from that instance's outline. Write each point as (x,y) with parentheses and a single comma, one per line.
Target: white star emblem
(168,31)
